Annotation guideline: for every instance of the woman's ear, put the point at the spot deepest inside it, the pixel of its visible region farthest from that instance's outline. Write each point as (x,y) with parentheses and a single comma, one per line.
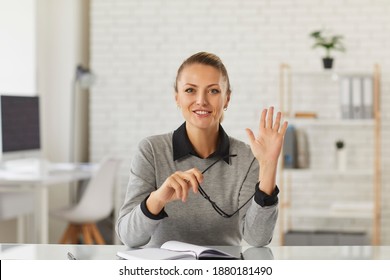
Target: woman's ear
(227,101)
(177,98)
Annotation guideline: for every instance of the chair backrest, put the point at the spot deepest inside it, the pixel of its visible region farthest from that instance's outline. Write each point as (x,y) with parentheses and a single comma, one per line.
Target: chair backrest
(97,200)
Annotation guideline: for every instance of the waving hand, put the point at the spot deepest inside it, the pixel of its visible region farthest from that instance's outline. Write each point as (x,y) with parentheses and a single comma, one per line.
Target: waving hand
(267,145)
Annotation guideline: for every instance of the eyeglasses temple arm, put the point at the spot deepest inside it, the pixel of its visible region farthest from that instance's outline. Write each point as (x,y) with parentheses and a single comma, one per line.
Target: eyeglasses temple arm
(228,156)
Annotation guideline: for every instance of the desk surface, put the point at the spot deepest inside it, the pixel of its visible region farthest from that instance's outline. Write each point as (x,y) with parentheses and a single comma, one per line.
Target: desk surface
(54,174)
(38,178)
(108,252)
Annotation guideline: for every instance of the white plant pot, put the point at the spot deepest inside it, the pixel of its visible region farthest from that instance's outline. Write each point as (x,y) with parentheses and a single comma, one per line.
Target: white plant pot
(341,159)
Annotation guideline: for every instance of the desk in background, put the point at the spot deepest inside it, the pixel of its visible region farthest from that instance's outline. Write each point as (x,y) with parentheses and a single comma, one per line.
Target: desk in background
(38,181)
(108,252)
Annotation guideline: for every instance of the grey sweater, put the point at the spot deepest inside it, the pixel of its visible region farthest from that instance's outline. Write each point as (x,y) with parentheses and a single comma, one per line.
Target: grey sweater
(195,221)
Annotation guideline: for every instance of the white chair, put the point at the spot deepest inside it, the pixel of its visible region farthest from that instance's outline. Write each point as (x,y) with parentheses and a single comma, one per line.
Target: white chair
(96,204)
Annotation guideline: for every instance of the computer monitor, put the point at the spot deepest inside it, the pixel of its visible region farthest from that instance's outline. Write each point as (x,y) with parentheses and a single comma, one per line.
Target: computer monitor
(19,118)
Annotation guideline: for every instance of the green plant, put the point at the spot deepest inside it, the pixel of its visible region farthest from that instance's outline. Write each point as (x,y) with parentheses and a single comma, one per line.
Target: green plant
(328,42)
(339,144)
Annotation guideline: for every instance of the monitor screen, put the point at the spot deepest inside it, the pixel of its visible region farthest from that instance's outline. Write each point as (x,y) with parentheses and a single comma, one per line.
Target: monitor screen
(20,123)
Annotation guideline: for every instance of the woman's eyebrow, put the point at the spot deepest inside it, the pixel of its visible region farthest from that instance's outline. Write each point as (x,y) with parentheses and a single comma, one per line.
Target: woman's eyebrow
(193,85)
(189,84)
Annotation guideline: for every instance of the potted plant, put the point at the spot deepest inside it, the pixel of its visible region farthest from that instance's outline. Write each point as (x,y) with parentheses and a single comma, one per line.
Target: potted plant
(341,156)
(329,43)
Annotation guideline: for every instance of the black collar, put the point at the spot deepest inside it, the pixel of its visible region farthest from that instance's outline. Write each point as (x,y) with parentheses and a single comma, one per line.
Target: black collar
(182,146)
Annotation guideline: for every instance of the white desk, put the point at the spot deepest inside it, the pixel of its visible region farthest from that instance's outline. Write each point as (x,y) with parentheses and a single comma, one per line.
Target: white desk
(108,252)
(39,182)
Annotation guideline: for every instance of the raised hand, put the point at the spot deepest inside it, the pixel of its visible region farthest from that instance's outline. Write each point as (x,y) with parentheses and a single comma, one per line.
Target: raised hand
(266,147)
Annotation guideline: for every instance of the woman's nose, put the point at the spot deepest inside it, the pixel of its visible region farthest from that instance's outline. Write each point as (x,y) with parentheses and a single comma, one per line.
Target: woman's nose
(201,99)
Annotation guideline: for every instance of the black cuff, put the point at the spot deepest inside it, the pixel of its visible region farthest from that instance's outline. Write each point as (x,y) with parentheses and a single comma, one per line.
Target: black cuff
(264,199)
(147,213)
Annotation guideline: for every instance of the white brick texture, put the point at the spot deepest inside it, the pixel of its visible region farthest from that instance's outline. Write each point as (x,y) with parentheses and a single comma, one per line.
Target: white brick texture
(137,46)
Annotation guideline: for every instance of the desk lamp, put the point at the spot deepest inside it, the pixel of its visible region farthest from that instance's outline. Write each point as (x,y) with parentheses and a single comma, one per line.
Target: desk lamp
(85,79)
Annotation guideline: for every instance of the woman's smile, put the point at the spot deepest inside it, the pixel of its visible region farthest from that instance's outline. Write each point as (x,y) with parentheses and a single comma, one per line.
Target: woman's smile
(202,113)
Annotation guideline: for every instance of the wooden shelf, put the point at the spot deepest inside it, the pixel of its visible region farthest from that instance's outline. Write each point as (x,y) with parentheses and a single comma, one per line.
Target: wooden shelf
(360,210)
(327,172)
(330,122)
(364,210)
(334,75)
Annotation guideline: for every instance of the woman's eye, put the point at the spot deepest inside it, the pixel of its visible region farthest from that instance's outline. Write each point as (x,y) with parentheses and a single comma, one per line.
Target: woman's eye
(189,90)
(215,91)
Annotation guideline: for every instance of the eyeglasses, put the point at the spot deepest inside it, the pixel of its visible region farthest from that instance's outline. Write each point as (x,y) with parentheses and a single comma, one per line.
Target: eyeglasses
(207,197)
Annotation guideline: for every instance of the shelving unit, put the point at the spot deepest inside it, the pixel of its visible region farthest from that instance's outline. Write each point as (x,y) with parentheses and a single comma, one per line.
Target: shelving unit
(331,117)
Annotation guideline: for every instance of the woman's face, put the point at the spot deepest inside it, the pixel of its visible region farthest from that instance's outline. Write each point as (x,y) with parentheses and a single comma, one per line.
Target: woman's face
(201,95)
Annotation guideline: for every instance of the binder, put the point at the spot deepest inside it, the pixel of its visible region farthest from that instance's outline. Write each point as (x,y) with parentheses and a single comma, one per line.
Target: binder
(290,148)
(368,98)
(357,96)
(303,156)
(346,96)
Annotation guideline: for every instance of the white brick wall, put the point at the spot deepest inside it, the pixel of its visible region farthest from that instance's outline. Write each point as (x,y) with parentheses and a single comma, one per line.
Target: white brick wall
(137,45)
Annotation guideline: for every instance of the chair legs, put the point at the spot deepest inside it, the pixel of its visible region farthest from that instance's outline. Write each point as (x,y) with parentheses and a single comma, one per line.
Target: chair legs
(70,234)
(89,232)
(96,234)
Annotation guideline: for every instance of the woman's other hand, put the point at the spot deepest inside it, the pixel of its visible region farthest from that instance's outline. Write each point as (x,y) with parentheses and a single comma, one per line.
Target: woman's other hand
(175,187)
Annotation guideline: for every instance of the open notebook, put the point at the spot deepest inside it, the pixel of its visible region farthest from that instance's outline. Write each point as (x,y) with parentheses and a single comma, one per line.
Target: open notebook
(174,250)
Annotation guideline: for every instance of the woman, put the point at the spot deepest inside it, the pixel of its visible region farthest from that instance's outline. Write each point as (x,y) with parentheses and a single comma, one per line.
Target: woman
(168,197)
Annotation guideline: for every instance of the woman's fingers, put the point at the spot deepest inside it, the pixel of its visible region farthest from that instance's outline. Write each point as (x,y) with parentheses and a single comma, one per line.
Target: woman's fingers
(194,177)
(182,181)
(267,121)
(179,185)
(270,117)
(284,128)
(262,119)
(277,121)
(251,135)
